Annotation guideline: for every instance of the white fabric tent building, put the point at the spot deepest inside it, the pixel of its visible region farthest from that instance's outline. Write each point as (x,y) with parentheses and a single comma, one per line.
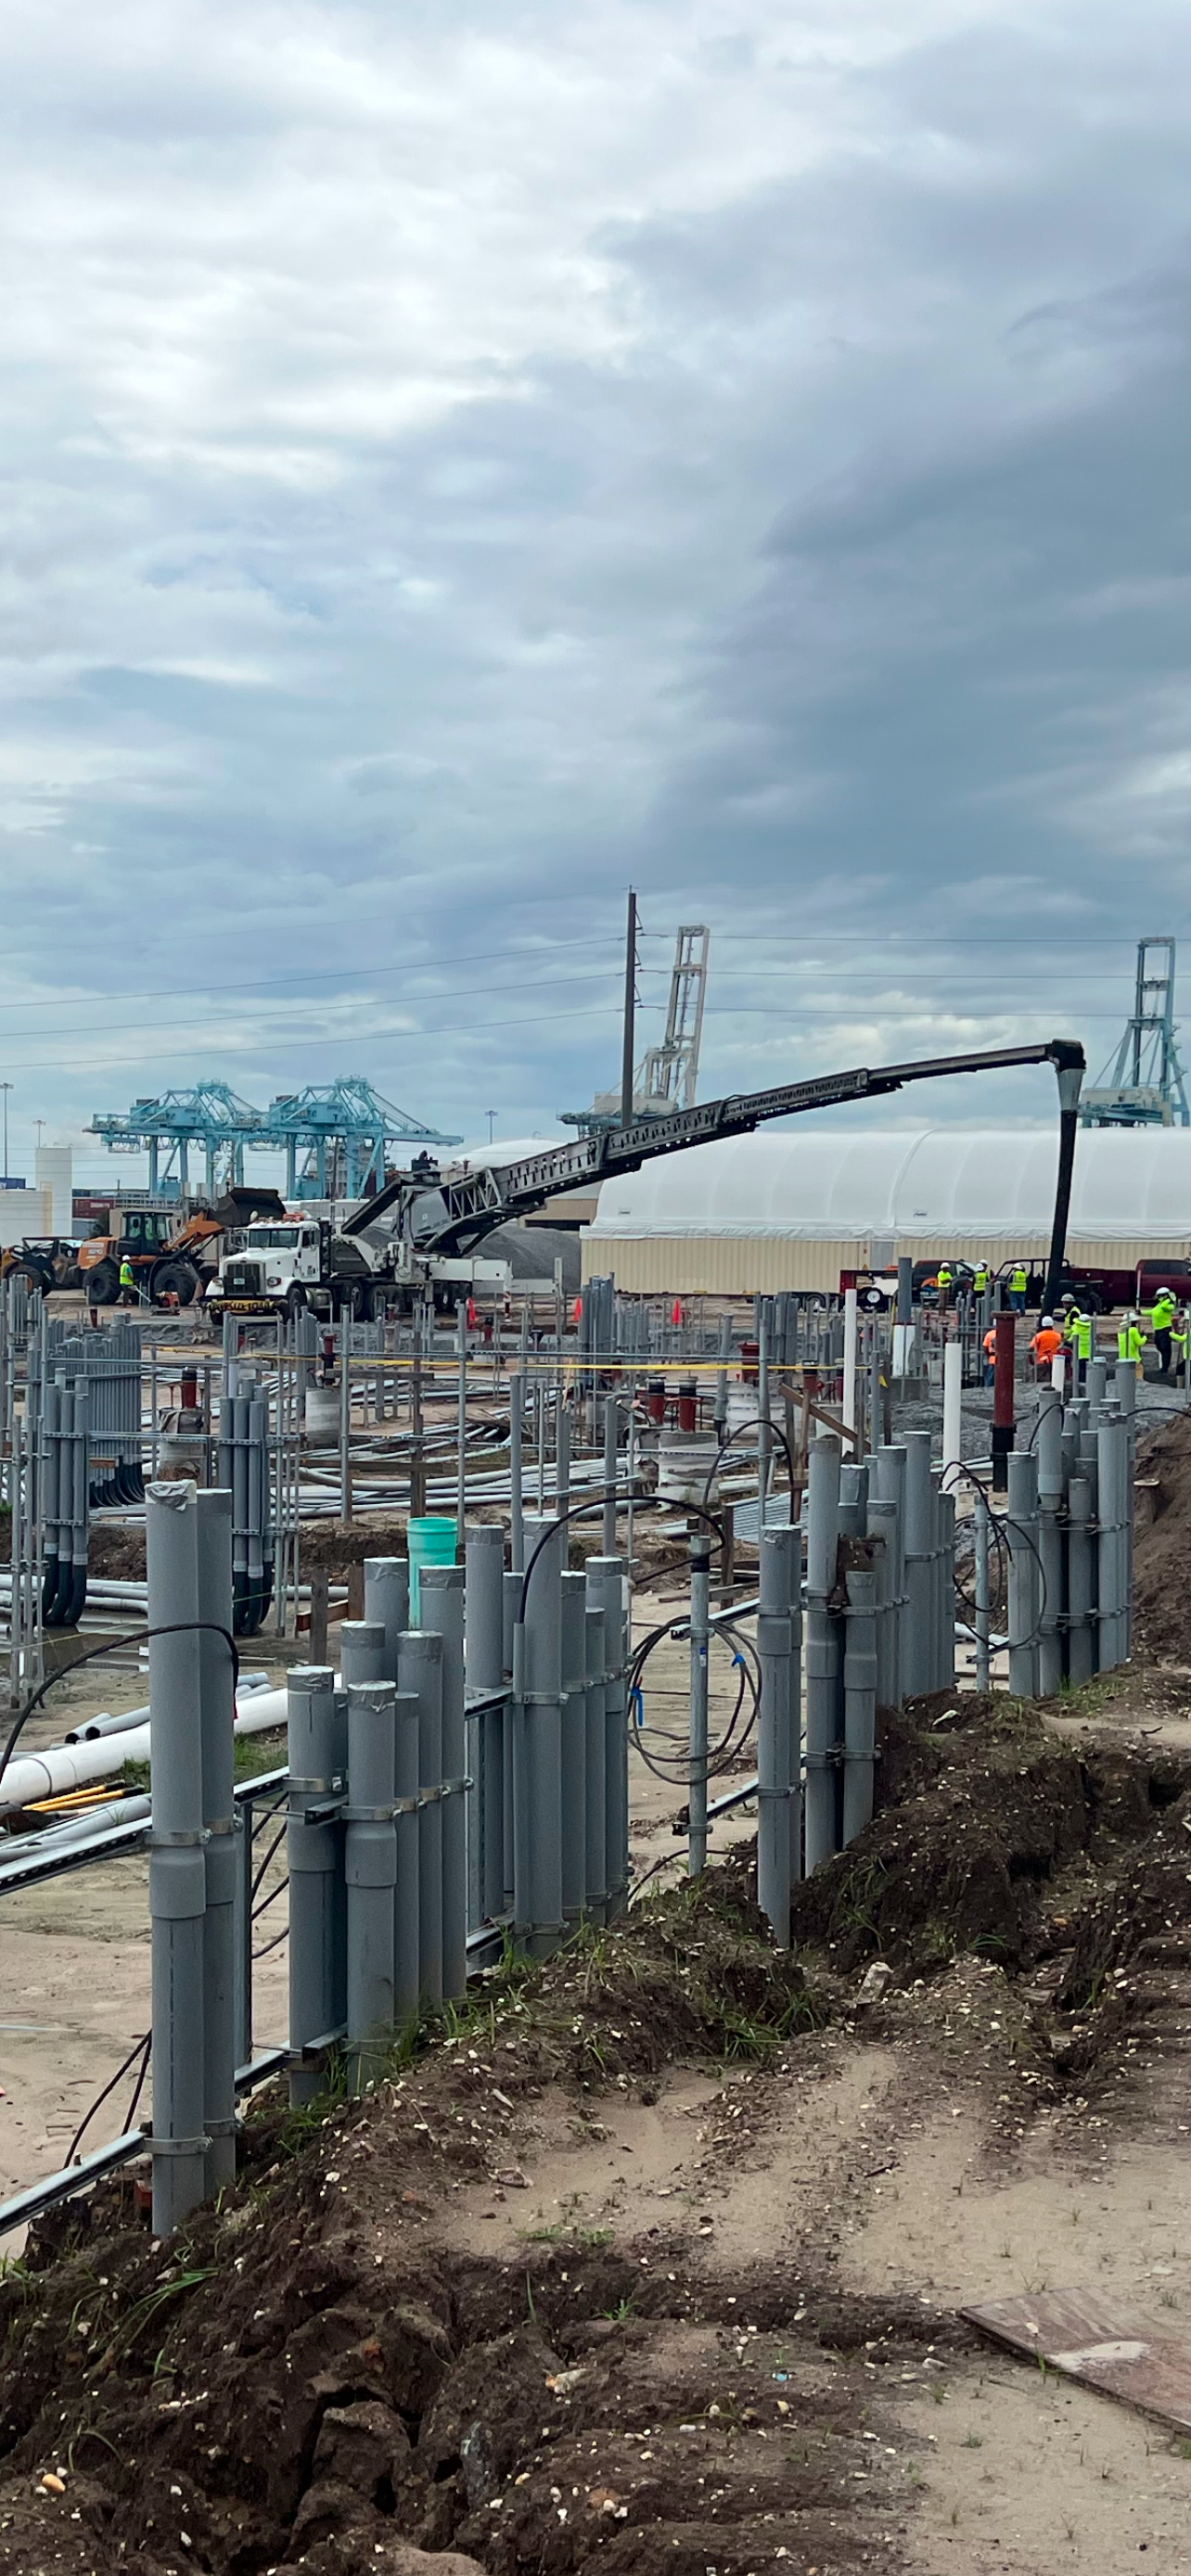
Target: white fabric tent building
(792,1208)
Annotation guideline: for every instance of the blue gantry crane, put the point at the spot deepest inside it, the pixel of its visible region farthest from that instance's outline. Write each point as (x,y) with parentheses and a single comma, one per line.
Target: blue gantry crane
(333,1135)
(1144,1085)
(342,1129)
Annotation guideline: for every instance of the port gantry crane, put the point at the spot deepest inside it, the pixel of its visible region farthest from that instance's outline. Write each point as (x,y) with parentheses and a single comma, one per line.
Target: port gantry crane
(449,1212)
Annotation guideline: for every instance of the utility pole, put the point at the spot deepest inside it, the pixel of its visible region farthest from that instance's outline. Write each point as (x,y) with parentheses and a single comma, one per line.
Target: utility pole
(630,1003)
(5,1087)
(490,1115)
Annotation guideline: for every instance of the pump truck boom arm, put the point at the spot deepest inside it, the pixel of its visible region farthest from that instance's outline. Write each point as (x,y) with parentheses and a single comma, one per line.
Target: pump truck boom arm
(452,1212)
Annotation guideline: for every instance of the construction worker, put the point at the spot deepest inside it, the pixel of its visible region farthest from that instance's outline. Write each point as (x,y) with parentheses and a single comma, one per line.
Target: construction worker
(1045,1347)
(944,1282)
(1131,1342)
(1078,1333)
(127,1281)
(981,1279)
(1162,1315)
(1178,1335)
(990,1356)
(1019,1284)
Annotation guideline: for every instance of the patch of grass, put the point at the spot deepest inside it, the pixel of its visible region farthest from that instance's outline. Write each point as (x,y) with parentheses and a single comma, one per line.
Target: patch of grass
(857,1906)
(305,2121)
(258,1754)
(1087,1699)
(146,2309)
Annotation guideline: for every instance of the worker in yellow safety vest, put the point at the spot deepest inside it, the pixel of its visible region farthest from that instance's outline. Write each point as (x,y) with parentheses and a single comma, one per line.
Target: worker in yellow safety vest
(1019,1283)
(127,1282)
(982,1278)
(1131,1342)
(1078,1333)
(944,1281)
(1162,1315)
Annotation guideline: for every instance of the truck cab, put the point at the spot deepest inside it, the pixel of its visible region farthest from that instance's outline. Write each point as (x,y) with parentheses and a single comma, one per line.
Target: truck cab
(279,1268)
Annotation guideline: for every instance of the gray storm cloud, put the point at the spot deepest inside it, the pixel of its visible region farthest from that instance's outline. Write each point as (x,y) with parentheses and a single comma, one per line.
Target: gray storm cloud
(457,461)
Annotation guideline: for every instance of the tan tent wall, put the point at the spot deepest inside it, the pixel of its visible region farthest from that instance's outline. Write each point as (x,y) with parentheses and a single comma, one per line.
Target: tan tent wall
(741,1265)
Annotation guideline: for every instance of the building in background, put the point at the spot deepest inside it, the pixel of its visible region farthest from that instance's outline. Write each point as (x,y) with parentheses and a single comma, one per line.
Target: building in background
(797,1209)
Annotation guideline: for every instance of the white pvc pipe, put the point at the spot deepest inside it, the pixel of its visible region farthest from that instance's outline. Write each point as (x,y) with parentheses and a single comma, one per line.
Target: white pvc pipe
(62,1767)
(1058,1372)
(953,1360)
(849,1404)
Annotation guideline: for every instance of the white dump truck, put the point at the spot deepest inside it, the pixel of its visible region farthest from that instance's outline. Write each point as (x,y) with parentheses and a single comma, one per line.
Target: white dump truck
(304,1260)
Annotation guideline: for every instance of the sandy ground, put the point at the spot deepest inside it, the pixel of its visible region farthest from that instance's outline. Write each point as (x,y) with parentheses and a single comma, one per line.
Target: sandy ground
(871,2160)
(855,2162)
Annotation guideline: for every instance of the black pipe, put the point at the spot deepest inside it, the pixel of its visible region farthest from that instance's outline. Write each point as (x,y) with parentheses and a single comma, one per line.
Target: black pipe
(49,1591)
(1069,1066)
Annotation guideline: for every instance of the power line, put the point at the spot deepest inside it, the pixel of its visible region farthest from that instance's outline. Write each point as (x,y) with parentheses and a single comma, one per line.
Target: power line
(450,1028)
(216,1030)
(317,975)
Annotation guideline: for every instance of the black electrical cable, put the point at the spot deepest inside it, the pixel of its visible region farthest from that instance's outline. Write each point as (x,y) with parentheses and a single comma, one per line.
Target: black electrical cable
(274,1944)
(274,1846)
(754,1425)
(716,1754)
(270,1899)
(135,2051)
(675,1770)
(669,1860)
(999,1524)
(596,1499)
(114,1646)
(139,2086)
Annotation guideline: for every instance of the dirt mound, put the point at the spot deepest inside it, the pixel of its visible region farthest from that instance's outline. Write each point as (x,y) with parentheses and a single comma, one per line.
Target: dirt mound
(1161,1600)
(992,1809)
(306,2372)
(1130,1969)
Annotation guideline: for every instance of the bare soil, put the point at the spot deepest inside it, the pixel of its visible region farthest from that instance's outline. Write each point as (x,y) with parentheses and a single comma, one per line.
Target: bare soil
(1161,1601)
(655,2260)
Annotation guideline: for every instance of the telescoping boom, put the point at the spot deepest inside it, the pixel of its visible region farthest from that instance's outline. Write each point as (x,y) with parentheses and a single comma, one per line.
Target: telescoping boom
(451,1212)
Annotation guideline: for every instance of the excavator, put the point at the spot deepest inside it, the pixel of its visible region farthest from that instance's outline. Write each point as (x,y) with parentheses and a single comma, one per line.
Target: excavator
(169,1260)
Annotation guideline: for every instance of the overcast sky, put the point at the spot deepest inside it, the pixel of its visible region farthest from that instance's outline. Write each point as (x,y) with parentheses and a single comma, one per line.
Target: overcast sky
(458,460)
